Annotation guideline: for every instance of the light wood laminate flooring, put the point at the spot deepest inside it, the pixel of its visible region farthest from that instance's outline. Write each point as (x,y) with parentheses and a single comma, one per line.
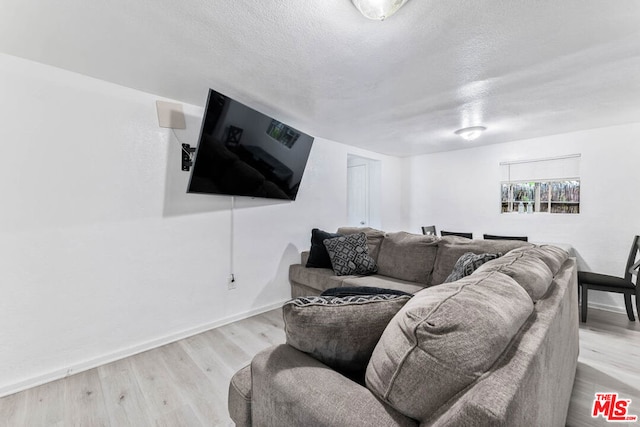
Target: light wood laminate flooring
(609,361)
(186,383)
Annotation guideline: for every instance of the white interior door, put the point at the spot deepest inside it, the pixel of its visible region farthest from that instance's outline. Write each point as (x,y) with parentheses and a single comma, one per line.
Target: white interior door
(358,195)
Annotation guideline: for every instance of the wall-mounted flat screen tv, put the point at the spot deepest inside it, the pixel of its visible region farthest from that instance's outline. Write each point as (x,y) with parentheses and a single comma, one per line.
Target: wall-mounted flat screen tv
(242,152)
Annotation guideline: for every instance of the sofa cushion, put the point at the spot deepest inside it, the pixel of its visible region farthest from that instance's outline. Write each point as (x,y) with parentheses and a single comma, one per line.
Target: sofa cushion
(408,256)
(468,263)
(386,282)
(341,332)
(528,271)
(318,255)
(350,255)
(451,248)
(552,256)
(374,238)
(293,389)
(444,339)
(316,278)
(240,397)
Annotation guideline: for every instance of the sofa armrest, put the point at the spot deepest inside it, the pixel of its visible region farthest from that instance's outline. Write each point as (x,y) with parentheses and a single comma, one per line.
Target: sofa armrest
(292,388)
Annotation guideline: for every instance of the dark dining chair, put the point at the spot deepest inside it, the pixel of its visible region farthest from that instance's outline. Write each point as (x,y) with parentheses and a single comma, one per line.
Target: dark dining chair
(429,230)
(622,285)
(456,233)
(494,237)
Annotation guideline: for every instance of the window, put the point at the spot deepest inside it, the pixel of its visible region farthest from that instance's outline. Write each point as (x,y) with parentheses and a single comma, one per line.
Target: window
(542,196)
(549,185)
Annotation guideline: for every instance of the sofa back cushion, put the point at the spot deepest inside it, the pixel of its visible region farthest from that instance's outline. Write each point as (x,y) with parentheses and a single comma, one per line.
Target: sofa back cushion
(444,339)
(527,266)
(451,248)
(553,256)
(408,256)
(374,238)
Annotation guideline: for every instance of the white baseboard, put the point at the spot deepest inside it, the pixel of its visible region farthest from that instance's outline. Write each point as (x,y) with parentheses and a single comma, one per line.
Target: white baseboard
(607,307)
(129,351)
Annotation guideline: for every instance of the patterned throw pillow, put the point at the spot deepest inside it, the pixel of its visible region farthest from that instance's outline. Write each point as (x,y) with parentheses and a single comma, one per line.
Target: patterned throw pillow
(349,291)
(341,332)
(334,301)
(468,263)
(350,255)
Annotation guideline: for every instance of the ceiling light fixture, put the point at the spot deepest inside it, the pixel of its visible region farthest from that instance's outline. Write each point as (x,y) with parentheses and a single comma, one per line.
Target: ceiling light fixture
(378,9)
(470,133)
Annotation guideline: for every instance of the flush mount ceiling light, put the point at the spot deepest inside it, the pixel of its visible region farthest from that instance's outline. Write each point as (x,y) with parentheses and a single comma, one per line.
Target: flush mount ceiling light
(378,9)
(470,133)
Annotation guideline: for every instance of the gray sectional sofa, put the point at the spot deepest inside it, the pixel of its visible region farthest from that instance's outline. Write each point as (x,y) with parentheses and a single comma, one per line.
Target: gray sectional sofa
(498,347)
(406,262)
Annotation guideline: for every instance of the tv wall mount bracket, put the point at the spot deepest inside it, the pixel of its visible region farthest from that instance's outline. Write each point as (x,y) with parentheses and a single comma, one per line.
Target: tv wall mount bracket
(187,157)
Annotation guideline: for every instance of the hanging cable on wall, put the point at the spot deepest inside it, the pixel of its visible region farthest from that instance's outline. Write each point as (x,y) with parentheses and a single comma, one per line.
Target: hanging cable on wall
(170,115)
(187,153)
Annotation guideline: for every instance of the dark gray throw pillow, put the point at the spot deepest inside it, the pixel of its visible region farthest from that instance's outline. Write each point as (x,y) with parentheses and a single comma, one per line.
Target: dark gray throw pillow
(318,256)
(341,332)
(468,263)
(350,255)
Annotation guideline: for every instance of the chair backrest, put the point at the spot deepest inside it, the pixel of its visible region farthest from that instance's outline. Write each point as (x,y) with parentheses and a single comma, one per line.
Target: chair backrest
(429,230)
(632,264)
(456,233)
(494,237)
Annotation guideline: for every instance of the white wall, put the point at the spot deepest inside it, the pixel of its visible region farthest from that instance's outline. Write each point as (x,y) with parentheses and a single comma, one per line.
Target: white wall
(102,254)
(459,191)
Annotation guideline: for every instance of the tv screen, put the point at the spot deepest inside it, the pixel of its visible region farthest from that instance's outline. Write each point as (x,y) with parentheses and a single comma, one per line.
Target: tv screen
(243,152)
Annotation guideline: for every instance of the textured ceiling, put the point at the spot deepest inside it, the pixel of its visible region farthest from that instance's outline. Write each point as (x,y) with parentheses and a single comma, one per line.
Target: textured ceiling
(521,68)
